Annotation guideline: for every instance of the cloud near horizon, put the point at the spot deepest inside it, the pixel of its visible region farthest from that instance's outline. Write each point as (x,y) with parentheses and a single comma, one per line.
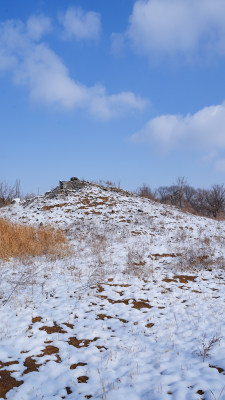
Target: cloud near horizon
(204,130)
(159,28)
(34,65)
(80,25)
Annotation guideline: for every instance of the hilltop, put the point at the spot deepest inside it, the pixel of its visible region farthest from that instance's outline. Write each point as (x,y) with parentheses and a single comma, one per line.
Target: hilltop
(134,310)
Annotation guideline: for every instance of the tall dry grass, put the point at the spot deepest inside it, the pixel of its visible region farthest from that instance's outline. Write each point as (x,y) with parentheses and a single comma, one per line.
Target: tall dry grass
(25,241)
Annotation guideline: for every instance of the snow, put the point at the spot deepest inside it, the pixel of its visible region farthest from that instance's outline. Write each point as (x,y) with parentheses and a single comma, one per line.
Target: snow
(123,316)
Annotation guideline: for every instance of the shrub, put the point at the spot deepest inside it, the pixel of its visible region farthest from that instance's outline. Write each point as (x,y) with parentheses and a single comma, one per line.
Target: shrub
(24,241)
(8,193)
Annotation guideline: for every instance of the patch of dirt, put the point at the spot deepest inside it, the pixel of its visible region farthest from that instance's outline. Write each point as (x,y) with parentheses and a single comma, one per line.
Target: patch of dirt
(219,369)
(36,319)
(123,320)
(52,329)
(135,304)
(185,278)
(168,280)
(8,363)
(141,304)
(73,341)
(82,379)
(71,326)
(46,208)
(49,351)
(150,325)
(103,316)
(80,364)
(101,348)
(7,382)
(157,255)
(30,365)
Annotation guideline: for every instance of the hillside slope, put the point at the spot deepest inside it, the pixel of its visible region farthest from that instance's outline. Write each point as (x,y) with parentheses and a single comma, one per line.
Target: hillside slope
(136,310)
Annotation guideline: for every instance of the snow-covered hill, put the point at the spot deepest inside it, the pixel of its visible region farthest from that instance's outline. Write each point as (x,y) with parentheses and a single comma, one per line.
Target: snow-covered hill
(135,311)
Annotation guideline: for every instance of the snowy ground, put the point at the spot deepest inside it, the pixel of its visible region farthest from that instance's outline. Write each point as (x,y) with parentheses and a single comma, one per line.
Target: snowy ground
(135,312)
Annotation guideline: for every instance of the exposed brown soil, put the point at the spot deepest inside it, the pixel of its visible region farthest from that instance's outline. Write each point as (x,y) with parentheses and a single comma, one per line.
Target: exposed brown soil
(123,320)
(68,390)
(73,341)
(30,365)
(8,363)
(136,304)
(168,280)
(36,319)
(157,255)
(46,208)
(7,382)
(52,329)
(49,351)
(219,369)
(141,304)
(102,348)
(200,392)
(80,364)
(185,278)
(71,326)
(103,316)
(181,278)
(150,325)
(82,379)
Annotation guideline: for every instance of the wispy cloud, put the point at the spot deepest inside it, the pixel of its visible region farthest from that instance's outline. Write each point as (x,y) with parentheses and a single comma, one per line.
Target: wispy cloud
(159,28)
(33,64)
(80,25)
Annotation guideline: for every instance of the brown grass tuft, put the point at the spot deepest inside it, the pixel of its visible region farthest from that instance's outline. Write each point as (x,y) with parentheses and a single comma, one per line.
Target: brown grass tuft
(24,241)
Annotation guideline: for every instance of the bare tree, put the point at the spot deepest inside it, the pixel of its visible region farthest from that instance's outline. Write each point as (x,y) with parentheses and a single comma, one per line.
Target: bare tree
(215,199)
(145,191)
(8,193)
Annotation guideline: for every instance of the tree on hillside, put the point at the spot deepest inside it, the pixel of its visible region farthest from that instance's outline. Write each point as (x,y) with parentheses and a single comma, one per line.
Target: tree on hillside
(215,199)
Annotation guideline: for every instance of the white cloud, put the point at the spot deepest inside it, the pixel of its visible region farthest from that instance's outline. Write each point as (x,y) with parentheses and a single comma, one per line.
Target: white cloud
(80,25)
(203,130)
(37,26)
(177,27)
(33,64)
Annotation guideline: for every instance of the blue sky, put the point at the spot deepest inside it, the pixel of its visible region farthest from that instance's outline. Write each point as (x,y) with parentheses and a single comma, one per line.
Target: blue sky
(127,91)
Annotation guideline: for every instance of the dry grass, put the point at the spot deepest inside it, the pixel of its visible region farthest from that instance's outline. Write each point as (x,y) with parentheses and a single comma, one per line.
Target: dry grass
(25,241)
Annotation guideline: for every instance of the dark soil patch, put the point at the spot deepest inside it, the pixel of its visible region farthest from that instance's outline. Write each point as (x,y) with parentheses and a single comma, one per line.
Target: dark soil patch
(30,365)
(52,329)
(68,390)
(7,382)
(82,379)
(80,364)
(46,208)
(49,351)
(141,304)
(36,319)
(103,316)
(185,278)
(219,369)
(150,325)
(73,341)
(71,326)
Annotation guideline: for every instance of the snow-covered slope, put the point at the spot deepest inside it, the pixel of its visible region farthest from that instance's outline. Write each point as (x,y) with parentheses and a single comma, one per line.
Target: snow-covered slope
(136,311)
